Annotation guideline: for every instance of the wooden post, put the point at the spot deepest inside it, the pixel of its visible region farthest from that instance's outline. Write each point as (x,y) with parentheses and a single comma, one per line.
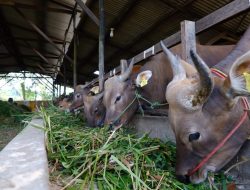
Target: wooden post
(75,53)
(53,89)
(64,78)
(59,90)
(101,45)
(188,41)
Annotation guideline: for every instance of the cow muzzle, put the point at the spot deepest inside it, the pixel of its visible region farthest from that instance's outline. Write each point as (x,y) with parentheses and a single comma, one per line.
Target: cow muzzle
(115,124)
(183,178)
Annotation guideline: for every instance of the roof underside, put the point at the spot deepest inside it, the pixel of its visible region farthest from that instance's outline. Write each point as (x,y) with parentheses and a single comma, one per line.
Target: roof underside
(138,24)
(22,48)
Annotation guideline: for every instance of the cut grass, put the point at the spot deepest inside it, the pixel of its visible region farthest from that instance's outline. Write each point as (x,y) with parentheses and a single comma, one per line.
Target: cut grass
(85,158)
(10,117)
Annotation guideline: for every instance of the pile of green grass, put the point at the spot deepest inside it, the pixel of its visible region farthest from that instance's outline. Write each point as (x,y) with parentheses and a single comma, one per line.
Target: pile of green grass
(84,158)
(13,111)
(10,117)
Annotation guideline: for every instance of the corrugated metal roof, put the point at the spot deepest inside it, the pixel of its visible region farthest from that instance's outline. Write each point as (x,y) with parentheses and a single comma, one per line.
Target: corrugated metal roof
(138,24)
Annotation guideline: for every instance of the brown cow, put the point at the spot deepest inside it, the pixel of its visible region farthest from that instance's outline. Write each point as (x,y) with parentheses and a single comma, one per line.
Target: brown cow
(91,100)
(203,109)
(151,83)
(66,102)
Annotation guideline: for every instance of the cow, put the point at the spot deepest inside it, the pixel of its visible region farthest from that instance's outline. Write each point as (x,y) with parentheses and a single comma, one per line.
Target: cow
(66,102)
(91,100)
(150,82)
(203,109)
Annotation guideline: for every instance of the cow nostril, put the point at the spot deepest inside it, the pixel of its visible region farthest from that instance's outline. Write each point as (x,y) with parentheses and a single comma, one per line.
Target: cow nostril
(110,127)
(100,124)
(183,178)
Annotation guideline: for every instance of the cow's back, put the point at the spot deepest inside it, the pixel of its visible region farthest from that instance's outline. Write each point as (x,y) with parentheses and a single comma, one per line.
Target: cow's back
(162,72)
(161,76)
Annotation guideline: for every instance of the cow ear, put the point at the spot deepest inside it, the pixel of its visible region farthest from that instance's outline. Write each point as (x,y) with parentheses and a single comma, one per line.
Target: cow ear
(142,78)
(239,76)
(95,89)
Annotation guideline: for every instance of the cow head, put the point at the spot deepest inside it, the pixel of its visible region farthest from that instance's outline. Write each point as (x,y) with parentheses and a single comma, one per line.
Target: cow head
(202,110)
(119,94)
(64,104)
(91,99)
(77,103)
(94,109)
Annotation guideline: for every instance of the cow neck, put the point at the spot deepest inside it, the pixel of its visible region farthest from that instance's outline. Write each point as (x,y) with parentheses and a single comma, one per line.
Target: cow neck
(242,119)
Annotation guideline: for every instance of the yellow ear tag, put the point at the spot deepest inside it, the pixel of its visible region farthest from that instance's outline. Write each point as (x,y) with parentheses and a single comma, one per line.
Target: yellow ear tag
(247,78)
(95,89)
(144,82)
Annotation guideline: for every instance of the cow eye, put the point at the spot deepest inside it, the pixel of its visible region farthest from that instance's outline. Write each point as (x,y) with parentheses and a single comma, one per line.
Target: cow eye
(96,110)
(194,136)
(78,95)
(117,99)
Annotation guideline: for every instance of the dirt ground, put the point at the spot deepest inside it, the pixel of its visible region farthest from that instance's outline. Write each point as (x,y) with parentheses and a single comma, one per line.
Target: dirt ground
(8,130)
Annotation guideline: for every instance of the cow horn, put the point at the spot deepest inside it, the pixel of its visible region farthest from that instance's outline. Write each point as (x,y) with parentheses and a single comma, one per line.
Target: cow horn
(124,76)
(179,72)
(124,65)
(206,81)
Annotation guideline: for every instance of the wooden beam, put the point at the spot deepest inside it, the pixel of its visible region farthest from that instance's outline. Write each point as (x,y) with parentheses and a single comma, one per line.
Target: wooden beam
(188,41)
(222,14)
(101,44)
(231,9)
(88,11)
(192,15)
(75,53)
